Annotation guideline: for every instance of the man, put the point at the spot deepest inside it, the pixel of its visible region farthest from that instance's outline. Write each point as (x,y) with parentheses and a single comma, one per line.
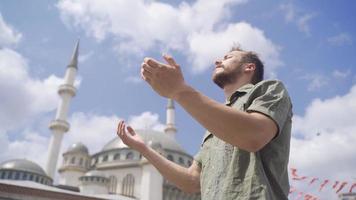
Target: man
(245,152)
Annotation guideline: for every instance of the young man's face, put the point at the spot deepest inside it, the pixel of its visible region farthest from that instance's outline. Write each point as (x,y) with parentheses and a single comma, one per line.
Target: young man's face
(228,69)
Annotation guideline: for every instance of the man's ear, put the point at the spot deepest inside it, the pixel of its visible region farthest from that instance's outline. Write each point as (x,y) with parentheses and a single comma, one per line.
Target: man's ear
(250,67)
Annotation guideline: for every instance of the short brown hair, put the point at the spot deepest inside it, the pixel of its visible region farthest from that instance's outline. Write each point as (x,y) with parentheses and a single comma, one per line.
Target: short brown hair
(251,57)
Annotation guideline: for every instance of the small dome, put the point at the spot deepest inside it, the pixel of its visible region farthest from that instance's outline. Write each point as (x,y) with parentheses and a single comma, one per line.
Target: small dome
(149,136)
(23,165)
(77,148)
(95,173)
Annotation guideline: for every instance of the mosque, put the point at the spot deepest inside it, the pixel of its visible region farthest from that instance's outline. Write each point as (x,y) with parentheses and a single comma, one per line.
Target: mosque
(116,172)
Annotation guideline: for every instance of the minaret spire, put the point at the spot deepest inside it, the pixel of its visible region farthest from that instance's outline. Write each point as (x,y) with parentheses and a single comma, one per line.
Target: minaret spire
(59,125)
(170,121)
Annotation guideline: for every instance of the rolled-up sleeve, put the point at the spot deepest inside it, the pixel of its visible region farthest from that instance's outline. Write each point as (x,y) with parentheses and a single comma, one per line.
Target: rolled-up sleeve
(271,99)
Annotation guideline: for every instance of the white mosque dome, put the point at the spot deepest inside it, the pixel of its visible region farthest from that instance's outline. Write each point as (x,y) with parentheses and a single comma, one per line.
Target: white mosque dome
(78,148)
(22,165)
(149,136)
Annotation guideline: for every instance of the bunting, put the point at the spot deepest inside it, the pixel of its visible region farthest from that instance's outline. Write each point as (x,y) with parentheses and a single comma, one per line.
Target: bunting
(337,185)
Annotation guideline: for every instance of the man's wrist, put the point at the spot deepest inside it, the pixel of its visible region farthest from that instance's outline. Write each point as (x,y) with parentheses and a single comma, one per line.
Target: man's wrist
(183,91)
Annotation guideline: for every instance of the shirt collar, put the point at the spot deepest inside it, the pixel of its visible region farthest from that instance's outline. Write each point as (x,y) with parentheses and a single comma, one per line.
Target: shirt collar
(238,93)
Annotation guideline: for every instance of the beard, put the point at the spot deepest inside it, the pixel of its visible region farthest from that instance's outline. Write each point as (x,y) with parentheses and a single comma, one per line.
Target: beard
(226,77)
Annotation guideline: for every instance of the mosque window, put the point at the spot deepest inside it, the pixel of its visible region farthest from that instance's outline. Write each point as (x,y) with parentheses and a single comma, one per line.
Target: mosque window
(17,175)
(65,160)
(128,185)
(105,158)
(97,179)
(24,176)
(181,161)
(117,156)
(41,180)
(72,161)
(170,157)
(37,179)
(113,184)
(81,161)
(189,163)
(9,176)
(2,175)
(31,177)
(92,178)
(129,156)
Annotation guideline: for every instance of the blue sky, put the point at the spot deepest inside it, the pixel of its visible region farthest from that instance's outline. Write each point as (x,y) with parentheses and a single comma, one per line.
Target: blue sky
(309,45)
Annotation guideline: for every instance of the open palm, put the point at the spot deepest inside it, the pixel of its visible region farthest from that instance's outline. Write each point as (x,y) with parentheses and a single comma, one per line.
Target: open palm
(129,136)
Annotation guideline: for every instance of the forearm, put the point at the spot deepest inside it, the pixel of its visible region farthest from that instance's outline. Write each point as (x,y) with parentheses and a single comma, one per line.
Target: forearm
(235,127)
(182,177)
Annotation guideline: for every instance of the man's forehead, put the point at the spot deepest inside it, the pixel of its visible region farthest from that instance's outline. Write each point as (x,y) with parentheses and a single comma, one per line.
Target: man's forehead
(235,53)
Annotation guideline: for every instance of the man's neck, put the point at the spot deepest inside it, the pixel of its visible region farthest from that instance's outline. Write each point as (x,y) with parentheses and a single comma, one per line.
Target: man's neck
(231,88)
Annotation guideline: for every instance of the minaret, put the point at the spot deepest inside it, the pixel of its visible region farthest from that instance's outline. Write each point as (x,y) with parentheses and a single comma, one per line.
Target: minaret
(170,121)
(59,126)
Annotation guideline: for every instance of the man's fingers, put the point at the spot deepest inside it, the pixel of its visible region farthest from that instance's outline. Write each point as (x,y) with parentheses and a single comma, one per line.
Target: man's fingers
(151,62)
(169,59)
(145,76)
(147,68)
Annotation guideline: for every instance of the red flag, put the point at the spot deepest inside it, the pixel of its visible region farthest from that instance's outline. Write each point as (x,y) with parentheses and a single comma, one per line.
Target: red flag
(295,176)
(352,187)
(300,195)
(335,184)
(313,180)
(341,186)
(323,185)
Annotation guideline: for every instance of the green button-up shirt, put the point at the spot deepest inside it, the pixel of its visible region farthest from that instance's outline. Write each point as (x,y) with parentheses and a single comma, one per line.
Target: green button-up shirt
(228,172)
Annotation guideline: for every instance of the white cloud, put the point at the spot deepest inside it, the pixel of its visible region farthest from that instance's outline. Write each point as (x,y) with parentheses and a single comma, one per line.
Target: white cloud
(23,97)
(31,147)
(289,10)
(206,47)
(303,23)
(295,15)
(146,120)
(163,27)
(340,39)
(331,153)
(8,36)
(341,74)
(84,57)
(317,81)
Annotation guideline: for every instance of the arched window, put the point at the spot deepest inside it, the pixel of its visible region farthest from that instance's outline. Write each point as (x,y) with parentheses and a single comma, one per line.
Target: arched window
(72,161)
(24,176)
(170,157)
(31,177)
(106,157)
(10,175)
(17,175)
(113,184)
(129,156)
(189,163)
(37,179)
(128,185)
(117,156)
(181,161)
(81,161)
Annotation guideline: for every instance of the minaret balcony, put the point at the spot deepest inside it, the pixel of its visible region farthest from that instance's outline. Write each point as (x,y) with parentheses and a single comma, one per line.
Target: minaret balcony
(59,125)
(66,88)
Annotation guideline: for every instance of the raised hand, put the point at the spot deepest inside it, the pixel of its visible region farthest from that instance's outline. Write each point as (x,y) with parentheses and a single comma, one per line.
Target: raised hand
(129,137)
(166,79)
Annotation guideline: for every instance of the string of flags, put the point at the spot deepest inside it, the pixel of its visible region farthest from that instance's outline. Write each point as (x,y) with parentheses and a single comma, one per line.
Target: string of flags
(337,185)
